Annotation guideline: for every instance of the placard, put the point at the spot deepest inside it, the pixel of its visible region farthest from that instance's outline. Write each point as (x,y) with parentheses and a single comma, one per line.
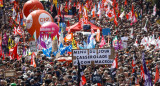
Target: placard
(10,73)
(106,31)
(33,47)
(96,78)
(99,56)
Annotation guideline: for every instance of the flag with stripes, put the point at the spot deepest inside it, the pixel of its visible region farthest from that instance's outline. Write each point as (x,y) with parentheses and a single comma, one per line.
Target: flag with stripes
(81,77)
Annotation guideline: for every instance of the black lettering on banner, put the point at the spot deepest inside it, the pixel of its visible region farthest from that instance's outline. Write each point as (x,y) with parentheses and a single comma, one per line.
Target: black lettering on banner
(75,52)
(79,52)
(92,56)
(74,62)
(85,62)
(96,61)
(103,61)
(103,51)
(92,51)
(102,56)
(80,57)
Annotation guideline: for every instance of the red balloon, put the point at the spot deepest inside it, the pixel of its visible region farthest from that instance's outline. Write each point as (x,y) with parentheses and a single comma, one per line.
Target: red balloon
(32,5)
(35,19)
(49,28)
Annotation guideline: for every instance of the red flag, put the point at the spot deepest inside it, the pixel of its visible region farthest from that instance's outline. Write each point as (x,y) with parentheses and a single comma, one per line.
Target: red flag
(14,54)
(69,37)
(115,63)
(66,7)
(59,11)
(68,24)
(102,42)
(32,59)
(125,3)
(3,56)
(157,74)
(99,84)
(1,3)
(74,4)
(81,77)
(133,65)
(115,21)
(132,10)
(142,73)
(51,8)
(114,2)
(93,12)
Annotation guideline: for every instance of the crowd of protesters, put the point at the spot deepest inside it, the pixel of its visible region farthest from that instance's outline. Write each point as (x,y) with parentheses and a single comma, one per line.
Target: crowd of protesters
(50,72)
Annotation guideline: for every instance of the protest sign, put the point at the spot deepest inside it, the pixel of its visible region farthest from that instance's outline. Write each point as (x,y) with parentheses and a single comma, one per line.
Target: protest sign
(33,47)
(9,73)
(99,56)
(106,31)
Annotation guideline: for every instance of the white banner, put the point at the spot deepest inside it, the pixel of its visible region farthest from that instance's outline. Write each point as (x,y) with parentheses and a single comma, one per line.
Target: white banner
(85,56)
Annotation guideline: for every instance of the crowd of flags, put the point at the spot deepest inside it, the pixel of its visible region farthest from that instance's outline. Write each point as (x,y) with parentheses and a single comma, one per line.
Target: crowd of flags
(45,43)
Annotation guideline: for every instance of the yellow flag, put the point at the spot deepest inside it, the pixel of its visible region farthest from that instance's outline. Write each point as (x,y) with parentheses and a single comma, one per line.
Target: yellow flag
(74,46)
(136,14)
(9,43)
(12,44)
(55,2)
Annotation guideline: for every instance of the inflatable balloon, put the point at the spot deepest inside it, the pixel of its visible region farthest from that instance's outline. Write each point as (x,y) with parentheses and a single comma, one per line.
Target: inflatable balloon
(32,5)
(49,28)
(35,19)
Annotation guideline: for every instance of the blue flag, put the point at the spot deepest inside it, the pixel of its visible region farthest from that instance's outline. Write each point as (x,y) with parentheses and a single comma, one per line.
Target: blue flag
(88,41)
(47,52)
(80,47)
(84,45)
(91,45)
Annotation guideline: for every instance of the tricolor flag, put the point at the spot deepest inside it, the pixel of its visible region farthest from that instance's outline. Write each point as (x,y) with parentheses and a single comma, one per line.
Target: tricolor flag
(114,67)
(115,41)
(81,77)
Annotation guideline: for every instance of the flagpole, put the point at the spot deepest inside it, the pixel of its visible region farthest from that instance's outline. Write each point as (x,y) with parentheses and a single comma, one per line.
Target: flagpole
(78,73)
